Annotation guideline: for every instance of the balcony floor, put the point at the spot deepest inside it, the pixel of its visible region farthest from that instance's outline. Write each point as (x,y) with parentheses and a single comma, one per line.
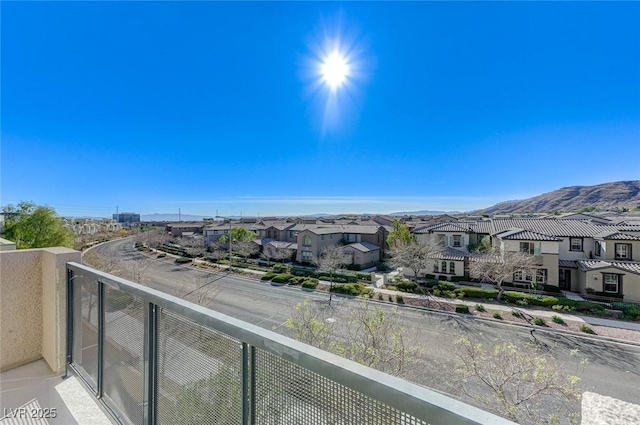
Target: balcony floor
(35,387)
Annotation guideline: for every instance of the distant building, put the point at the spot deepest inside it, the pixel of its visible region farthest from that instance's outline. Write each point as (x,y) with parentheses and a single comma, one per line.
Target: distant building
(127,218)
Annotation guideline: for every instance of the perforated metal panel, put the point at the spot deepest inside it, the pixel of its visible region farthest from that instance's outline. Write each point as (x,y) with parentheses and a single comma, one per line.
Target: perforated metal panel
(123,353)
(287,394)
(199,373)
(85,342)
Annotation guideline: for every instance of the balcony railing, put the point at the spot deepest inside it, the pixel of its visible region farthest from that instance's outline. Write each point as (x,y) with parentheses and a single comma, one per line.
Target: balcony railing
(151,358)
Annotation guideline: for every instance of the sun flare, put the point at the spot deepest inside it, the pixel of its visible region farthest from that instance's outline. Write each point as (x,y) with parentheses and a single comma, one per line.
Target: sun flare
(335,70)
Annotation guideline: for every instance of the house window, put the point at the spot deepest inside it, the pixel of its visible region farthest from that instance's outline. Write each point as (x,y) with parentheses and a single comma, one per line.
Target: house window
(372,257)
(306,240)
(435,267)
(597,248)
(457,241)
(528,276)
(611,282)
(452,267)
(215,232)
(532,248)
(306,255)
(322,237)
(575,244)
(444,267)
(441,240)
(623,251)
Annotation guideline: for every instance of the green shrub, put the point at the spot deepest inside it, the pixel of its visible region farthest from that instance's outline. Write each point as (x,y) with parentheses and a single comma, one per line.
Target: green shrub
(587,329)
(355,267)
(523,303)
(497,315)
(462,309)
(380,296)
(363,276)
(551,288)
(429,276)
(478,293)
(630,311)
(268,276)
(408,286)
(458,278)
(399,299)
(480,308)
(282,278)
(443,278)
(183,260)
(549,301)
(355,289)
(296,280)
(557,319)
(539,321)
(516,313)
(162,255)
(445,286)
(309,284)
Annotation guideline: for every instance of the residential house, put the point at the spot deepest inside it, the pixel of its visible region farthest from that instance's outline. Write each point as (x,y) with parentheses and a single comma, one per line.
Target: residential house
(363,254)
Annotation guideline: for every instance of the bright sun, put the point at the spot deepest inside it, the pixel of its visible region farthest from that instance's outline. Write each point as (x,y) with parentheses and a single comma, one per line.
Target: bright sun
(335,70)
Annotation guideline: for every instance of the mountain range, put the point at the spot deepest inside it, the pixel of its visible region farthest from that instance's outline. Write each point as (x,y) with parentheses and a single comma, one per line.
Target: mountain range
(606,196)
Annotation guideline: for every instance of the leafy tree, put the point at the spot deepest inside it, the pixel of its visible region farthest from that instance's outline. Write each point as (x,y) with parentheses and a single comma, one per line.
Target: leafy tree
(399,235)
(35,226)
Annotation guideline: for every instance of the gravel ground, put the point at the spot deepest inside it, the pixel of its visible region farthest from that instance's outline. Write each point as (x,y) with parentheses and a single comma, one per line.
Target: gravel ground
(569,325)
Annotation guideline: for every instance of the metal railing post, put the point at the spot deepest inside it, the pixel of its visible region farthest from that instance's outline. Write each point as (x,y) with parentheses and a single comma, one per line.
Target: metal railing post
(149,402)
(245,384)
(100,383)
(252,384)
(69,322)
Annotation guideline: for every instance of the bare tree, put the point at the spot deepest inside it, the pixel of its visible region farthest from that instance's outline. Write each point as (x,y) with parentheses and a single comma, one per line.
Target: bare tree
(331,260)
(136,270)
(106,260)
(497,266)
(271,252)
(518,381)
(415,255)
(363,333)
(193,246)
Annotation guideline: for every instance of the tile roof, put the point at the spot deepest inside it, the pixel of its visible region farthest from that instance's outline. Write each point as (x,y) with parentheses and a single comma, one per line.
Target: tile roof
(567,264)
(444,227)
(628,266)
(621,237)
(484,226)
(524,235)
(363,246)
(449,254)
(566,228)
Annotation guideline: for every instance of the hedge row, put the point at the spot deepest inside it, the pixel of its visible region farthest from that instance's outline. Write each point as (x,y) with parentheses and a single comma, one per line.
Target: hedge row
(352,289)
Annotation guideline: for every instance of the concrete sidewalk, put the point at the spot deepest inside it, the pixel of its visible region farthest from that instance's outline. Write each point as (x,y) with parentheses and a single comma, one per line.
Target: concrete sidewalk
(530,311)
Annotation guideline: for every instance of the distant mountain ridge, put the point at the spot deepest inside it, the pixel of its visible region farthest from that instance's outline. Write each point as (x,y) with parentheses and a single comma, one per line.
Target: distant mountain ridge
(622,194)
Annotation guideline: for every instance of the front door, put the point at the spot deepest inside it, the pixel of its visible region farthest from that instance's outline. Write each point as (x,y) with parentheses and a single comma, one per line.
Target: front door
(565,279)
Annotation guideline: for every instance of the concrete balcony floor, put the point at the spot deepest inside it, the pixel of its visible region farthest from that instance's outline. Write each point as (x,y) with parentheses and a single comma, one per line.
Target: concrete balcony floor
(38,390)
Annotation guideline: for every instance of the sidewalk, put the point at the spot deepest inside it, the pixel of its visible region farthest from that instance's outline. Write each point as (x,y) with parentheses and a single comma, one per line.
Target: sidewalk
(530,311)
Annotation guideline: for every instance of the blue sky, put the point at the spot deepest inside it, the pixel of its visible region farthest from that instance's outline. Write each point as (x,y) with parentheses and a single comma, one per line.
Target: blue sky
(216,106)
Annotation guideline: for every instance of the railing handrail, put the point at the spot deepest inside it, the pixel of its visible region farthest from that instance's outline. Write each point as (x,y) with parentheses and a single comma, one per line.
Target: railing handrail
(398,393)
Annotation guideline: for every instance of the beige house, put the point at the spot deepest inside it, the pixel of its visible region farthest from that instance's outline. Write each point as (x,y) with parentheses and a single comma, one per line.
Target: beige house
(363,254)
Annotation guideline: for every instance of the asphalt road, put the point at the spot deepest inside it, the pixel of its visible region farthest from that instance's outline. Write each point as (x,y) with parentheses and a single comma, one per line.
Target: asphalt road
(613,370)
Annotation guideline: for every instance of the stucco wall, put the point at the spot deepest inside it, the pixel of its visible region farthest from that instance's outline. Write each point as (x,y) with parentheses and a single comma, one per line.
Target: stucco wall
(20,307)
(611,249)
(33,306)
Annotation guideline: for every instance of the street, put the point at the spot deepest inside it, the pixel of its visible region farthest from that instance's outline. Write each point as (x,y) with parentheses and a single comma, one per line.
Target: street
(613,370)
